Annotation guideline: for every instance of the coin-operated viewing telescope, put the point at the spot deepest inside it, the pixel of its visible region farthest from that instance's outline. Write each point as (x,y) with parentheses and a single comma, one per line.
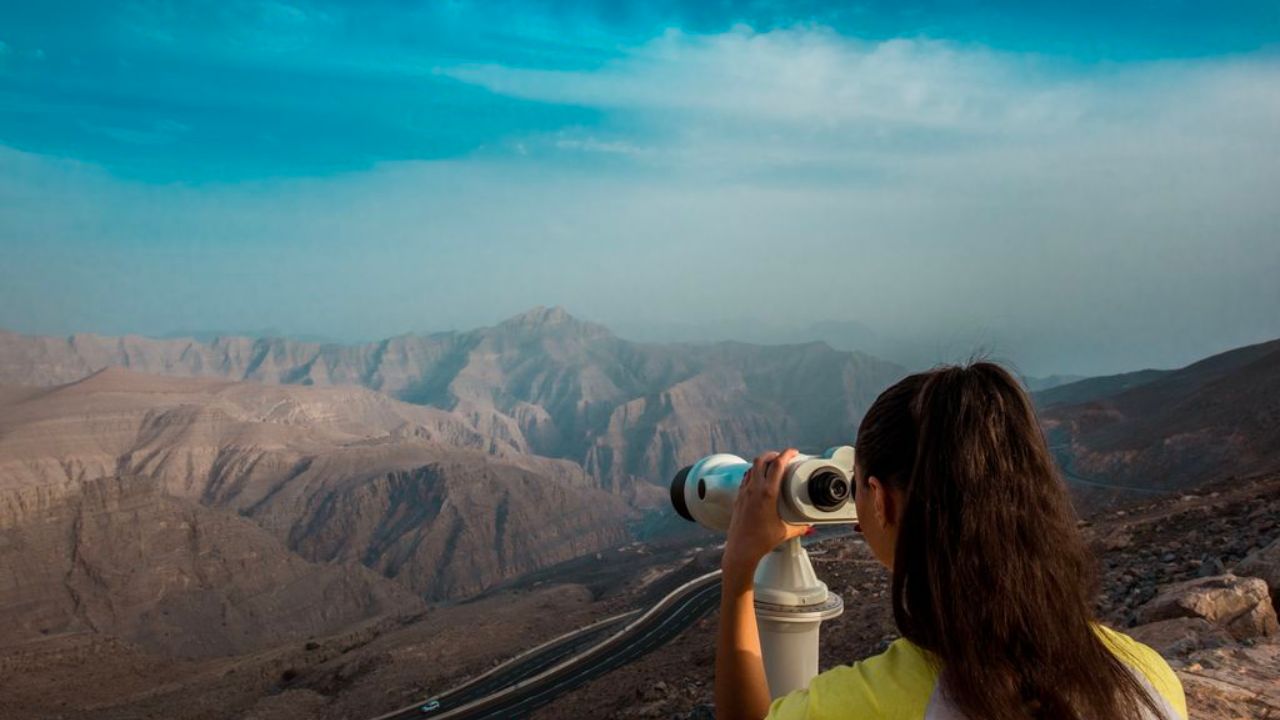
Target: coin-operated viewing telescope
(816,490)
(790,601)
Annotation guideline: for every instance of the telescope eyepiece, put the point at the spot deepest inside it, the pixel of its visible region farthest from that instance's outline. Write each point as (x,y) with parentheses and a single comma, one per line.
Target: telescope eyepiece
(828,490)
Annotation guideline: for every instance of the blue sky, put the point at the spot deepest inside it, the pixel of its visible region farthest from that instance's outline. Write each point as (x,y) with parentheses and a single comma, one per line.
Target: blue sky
(204,91)
(1082,187)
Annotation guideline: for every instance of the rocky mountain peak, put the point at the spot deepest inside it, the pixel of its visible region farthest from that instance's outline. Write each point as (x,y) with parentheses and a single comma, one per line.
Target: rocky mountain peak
(555,318)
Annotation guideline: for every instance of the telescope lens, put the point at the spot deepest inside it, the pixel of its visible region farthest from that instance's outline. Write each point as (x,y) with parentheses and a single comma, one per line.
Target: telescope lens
(828,490)
(677,493)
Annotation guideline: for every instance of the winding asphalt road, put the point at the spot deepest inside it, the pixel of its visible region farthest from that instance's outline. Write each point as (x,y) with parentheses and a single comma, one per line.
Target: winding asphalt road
(522,685)
(530,680)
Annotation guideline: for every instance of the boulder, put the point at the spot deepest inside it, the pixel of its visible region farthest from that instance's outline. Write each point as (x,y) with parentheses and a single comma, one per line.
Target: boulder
(1241,605)
(1233,683)
(1180,636)
(1265,564)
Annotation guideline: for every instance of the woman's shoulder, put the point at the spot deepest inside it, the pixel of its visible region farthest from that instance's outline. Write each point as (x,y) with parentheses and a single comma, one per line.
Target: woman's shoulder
(896,684)
(1148,663)
(899,684)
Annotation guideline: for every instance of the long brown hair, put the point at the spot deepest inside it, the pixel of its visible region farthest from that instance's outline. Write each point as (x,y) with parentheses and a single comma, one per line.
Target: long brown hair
(990,573)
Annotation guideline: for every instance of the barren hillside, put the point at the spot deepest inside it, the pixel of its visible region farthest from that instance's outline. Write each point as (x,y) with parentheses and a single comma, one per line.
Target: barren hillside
(1216,417)
(335,474)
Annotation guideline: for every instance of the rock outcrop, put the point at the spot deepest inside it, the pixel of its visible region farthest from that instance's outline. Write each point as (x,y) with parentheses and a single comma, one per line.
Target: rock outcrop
(1264,564)
(1242,606)
(1232,683)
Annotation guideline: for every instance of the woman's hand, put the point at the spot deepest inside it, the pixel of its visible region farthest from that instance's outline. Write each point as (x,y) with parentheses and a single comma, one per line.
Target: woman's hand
(742,691)
(756,528)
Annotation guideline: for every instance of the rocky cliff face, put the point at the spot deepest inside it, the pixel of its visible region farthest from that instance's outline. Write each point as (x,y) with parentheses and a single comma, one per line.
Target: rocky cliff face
(454,528)
(543,383)
(340,475)
(741,398)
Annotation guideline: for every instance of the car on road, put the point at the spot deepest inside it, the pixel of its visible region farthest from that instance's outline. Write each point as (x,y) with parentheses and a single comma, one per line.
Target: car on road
(431,706)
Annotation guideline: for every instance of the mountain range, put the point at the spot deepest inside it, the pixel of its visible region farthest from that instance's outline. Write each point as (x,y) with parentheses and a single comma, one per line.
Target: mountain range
(263,489)
(542,382)
(255,490)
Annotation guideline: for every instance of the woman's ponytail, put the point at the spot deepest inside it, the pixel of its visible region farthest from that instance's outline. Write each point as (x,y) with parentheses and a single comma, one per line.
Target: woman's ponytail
(990,574)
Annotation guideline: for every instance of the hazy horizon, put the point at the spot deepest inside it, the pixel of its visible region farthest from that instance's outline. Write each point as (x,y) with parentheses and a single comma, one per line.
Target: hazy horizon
(1070,190)
(849,336)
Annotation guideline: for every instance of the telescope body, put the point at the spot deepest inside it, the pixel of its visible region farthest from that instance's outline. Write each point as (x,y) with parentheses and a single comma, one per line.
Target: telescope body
(790,601)
(816,489)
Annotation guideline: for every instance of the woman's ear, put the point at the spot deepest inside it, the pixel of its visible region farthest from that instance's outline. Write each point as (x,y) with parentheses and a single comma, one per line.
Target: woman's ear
(880,500)
(886,502)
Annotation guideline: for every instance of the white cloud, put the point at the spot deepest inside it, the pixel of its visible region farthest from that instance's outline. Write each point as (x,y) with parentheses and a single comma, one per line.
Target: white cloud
(803,77)
(808,97)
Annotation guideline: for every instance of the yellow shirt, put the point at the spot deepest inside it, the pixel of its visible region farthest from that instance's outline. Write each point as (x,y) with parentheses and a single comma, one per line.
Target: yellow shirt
(900,684)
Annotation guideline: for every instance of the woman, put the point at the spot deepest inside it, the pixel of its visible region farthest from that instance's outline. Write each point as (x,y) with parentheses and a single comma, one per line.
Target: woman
(992,584)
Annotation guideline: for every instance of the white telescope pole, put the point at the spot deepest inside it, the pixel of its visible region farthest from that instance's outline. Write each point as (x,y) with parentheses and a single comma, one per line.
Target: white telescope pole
(791,603)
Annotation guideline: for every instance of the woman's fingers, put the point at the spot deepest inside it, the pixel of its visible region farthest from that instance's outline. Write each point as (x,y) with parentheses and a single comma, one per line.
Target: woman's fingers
(777,468)
(756,526)
(759,468)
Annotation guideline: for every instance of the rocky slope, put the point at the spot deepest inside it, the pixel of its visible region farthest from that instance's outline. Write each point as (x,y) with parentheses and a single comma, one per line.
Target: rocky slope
(542,382)
(1217,417)
(123,559)
(335,474)
(355,673)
